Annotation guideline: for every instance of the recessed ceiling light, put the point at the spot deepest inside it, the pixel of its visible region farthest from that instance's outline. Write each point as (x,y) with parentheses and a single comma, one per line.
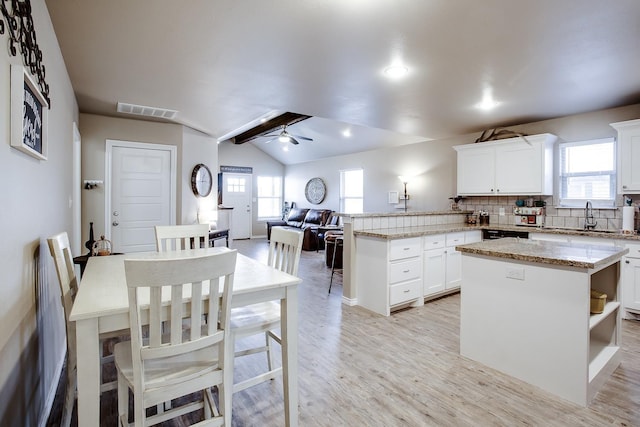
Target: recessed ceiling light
(396,71)
(487,103)
(285,148)
(346,133)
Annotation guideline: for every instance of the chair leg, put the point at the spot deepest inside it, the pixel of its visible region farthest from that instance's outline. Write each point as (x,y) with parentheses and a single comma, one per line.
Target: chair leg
(333,264)
(69,399)
(269,351)
(123,400)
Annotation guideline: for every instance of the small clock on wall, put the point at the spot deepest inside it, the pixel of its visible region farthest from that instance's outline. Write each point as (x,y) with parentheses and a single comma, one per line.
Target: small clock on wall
(315,190)
(201,180)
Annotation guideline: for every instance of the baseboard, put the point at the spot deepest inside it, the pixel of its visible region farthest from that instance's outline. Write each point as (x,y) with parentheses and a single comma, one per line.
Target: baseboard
(261,236)
(51,394)
(349,301)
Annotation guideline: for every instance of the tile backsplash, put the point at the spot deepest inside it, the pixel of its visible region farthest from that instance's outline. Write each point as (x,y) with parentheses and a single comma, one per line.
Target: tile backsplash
(607,219)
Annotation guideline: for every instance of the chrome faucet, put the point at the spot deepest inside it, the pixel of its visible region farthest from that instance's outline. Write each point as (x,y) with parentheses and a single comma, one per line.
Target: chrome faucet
(589,222)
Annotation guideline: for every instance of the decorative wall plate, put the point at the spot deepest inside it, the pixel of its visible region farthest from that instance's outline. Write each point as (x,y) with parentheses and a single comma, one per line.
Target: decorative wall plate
(315,190)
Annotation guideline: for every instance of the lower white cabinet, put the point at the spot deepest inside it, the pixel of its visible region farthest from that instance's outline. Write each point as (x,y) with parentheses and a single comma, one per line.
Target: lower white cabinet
(389,273)
(442,263)
(631,280)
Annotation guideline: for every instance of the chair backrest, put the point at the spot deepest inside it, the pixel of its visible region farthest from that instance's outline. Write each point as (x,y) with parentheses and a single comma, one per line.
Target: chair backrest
(285,247)
(63,259)
(180,237)
(61,253)
(197,276)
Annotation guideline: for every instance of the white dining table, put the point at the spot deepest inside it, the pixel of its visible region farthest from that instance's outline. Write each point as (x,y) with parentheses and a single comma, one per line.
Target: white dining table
(102,305)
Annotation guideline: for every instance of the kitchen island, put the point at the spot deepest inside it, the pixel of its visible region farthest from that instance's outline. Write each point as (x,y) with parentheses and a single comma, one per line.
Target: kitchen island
(525,311)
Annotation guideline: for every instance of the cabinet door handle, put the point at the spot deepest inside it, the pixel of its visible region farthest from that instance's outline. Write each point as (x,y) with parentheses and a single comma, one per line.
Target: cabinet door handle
(626,262)
(406,271)
(406,249)
(624,186)
(406,291)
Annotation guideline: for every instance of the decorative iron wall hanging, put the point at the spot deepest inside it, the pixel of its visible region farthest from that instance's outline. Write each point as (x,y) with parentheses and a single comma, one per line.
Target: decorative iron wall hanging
(18,23)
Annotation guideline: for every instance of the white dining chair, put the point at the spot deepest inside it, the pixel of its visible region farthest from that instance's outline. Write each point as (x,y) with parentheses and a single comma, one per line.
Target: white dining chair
(284,254)
(63,260)
(166,366)
(180,237)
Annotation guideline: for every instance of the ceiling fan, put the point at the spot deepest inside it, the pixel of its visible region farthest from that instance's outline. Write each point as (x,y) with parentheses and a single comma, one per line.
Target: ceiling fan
(285,136)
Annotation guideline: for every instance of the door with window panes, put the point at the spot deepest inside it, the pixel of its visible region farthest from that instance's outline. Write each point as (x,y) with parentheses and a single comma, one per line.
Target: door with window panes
(236,193)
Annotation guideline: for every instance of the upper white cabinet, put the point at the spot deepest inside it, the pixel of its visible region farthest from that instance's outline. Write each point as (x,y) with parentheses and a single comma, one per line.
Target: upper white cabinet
(628,156)
(510,166)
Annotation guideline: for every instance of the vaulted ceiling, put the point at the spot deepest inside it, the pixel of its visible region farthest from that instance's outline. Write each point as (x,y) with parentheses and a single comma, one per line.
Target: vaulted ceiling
(225,64)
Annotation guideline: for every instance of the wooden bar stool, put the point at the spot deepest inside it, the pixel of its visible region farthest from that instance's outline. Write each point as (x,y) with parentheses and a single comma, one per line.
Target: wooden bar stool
(336,242)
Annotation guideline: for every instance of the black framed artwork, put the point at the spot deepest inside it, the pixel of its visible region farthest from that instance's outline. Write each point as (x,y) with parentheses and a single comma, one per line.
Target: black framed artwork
(29,114)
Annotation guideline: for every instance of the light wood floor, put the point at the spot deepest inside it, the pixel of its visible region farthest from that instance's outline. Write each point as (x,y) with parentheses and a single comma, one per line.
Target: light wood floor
(361,369)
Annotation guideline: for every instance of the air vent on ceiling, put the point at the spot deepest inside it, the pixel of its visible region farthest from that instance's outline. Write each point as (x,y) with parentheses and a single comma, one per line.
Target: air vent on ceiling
(141,110)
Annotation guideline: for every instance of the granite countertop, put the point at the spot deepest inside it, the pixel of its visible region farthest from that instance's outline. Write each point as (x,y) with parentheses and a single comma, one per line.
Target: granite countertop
(417,231)
(405,232)
(579,255)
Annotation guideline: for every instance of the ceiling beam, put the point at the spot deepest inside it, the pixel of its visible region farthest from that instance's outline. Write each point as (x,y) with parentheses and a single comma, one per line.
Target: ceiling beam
(270,125)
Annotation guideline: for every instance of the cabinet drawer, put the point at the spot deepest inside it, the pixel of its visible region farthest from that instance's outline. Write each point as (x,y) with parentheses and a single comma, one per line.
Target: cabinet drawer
(405,270)
(434,241)
(403,292)
(404,248)
(454,239)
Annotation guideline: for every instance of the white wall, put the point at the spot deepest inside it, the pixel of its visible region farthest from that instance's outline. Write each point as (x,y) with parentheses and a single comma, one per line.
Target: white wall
(262,164)
(36,204)
(197,148)
(432,165)
(193,147)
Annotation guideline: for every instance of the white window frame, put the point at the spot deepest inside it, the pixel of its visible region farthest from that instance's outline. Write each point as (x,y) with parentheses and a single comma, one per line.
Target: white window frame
(278,191)
(343,197)
(566,202)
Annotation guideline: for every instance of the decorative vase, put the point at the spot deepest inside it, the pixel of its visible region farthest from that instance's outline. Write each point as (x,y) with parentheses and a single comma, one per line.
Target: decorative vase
(89,243)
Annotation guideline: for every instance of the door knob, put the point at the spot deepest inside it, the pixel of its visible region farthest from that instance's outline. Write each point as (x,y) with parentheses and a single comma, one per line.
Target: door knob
(115,223)
(115,213)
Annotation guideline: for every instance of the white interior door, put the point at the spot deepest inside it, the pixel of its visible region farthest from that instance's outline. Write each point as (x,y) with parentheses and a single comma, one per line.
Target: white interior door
(141,195)
(237,193)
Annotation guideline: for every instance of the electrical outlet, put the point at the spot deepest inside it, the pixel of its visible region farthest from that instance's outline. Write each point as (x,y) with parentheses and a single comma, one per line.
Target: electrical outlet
(501,212)
(515,273)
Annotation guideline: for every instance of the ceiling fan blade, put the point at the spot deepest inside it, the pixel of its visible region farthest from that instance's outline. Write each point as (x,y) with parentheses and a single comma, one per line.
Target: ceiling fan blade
(304,138)
(293,140)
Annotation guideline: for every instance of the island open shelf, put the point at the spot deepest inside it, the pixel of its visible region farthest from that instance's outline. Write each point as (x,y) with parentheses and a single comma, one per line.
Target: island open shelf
(527,313)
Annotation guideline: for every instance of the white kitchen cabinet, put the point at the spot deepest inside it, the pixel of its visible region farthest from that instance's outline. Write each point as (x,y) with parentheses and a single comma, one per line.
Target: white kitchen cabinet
(476,170)
(631,280)
(628,156)
(389,273)
(443,263)
(510,166)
